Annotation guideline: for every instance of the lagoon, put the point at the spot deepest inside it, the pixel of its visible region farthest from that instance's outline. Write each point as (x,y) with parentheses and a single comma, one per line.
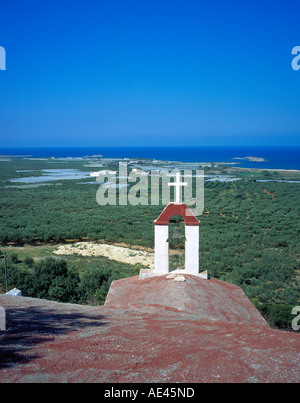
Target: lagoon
(50,175)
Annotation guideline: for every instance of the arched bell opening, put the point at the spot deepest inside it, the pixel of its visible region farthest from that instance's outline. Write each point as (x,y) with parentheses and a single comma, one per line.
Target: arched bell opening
(183,237)
(176,242)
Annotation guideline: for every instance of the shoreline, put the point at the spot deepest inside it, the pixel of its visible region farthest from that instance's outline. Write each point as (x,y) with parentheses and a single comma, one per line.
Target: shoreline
(229,165)
(15,156)
(146,160)
(254,157)
(270,169)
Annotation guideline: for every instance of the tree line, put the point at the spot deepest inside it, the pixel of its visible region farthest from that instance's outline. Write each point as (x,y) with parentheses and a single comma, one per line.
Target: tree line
(58,280)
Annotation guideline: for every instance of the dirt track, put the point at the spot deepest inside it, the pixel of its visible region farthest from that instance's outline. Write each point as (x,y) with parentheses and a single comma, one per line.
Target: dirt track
(119,253)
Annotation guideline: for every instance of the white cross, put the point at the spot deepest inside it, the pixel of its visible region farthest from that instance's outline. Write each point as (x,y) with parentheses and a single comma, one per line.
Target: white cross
(177,185)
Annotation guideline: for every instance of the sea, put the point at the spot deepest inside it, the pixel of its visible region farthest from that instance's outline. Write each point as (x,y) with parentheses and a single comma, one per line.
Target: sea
(274,157)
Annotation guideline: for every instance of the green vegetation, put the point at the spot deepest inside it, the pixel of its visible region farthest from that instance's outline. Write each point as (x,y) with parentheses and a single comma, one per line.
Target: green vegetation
(249,233)
(278,316)
(60,280)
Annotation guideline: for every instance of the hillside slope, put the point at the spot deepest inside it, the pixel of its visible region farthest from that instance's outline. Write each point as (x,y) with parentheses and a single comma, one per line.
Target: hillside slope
(153,330)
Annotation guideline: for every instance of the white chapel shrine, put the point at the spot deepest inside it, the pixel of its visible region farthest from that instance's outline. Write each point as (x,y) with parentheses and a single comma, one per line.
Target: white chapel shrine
(161,238)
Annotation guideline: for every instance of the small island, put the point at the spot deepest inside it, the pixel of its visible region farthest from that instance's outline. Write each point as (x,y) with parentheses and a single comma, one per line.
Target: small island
(252,159)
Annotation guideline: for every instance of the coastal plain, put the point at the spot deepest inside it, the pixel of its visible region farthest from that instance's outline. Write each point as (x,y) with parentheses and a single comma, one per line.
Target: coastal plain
(248,232)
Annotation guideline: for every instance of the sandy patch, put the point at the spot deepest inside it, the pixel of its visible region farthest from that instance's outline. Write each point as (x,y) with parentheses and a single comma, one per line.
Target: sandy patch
(119,253)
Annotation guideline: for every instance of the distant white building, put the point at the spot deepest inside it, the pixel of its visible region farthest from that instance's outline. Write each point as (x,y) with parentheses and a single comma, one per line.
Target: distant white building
(103,172)
(139,172)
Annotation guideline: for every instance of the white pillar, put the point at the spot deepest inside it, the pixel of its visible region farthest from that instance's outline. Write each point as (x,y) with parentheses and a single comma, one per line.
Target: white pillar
(192,249)
(161,236)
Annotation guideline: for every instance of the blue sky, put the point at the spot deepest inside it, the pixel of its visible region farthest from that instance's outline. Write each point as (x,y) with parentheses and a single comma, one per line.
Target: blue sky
(167,72)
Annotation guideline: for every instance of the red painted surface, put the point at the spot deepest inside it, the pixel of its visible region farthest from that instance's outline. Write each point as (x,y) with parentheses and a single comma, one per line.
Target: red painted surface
(177,209)
(153,330)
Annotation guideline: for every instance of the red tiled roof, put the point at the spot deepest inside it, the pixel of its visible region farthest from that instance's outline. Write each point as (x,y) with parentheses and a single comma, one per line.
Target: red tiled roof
(177,209)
